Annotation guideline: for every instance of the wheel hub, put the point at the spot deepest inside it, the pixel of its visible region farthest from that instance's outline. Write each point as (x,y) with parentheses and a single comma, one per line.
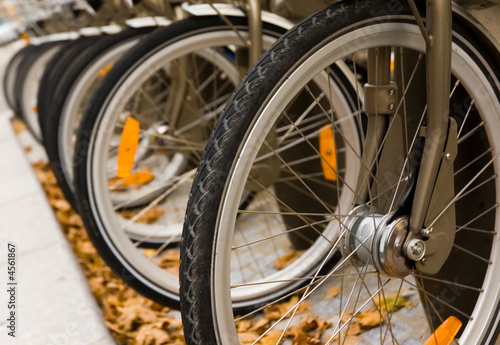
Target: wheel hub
(377,239)
(158,134)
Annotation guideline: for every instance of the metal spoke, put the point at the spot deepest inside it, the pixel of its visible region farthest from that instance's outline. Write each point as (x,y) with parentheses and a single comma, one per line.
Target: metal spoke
(464,189)
(447,282)
(428,294)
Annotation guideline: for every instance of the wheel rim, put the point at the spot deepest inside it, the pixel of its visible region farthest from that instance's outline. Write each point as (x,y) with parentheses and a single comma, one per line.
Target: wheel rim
(396,34)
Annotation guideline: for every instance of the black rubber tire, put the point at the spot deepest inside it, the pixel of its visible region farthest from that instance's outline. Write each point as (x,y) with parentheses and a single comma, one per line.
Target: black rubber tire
(11,72)
(26,70)
(64,88)
(147,47)
(197,252)
(54,72)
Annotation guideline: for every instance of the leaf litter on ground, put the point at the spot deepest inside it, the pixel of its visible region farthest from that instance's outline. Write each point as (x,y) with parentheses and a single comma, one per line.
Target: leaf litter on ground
(136,320)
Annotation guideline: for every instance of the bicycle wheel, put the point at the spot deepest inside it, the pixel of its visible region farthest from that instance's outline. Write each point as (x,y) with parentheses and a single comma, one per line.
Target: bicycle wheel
(28,83)
(73,90)
(173,84)
(360,300)
(10,76)
(63,58)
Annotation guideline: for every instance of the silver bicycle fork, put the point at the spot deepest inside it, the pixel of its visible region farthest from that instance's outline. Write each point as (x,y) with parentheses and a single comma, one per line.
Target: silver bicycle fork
(432,217)
(437,36)
(433,210)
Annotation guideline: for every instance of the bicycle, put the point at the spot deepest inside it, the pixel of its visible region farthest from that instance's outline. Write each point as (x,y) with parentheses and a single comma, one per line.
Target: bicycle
(395,203)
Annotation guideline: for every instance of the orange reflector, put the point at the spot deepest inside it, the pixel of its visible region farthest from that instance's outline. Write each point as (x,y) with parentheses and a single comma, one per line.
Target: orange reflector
(128,147)
(105,70)
(445,333)
(137,178)
(25,37)
(327,151)
(35,108)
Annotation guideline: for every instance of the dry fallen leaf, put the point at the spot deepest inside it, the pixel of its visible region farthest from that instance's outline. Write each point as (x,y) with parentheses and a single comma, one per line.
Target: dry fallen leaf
(262,322)
(244,325)
(354,328)
(332,292)
(285,260)
(60,204)
(306,339)
(276,311)
(151,335)
(308,331)
(351,340)
(315,324)
(18,125)
(394,301)
(247,337)
(270,338)
(148,217)
(134,310)
(373,316)
(369,318)
(346,317)
(170,261)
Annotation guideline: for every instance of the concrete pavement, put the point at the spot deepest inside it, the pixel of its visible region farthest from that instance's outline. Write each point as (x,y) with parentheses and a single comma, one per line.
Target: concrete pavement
(53,302)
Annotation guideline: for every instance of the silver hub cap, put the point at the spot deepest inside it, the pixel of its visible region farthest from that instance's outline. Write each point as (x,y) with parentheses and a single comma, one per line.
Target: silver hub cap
(376,239)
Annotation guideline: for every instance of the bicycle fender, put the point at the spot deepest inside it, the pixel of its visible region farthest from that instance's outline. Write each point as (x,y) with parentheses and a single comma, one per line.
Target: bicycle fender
(147,22)
(477,28)
(231,10)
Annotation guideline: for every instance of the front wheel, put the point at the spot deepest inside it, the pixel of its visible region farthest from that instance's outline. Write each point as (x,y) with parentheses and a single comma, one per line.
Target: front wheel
(280,111)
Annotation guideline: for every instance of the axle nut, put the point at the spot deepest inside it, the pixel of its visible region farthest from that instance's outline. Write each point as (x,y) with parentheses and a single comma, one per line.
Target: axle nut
(415,250)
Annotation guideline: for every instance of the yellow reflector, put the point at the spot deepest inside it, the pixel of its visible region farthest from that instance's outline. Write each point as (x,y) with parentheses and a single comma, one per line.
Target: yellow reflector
(445,333)
(327,151)
(128,147)
(105,70)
